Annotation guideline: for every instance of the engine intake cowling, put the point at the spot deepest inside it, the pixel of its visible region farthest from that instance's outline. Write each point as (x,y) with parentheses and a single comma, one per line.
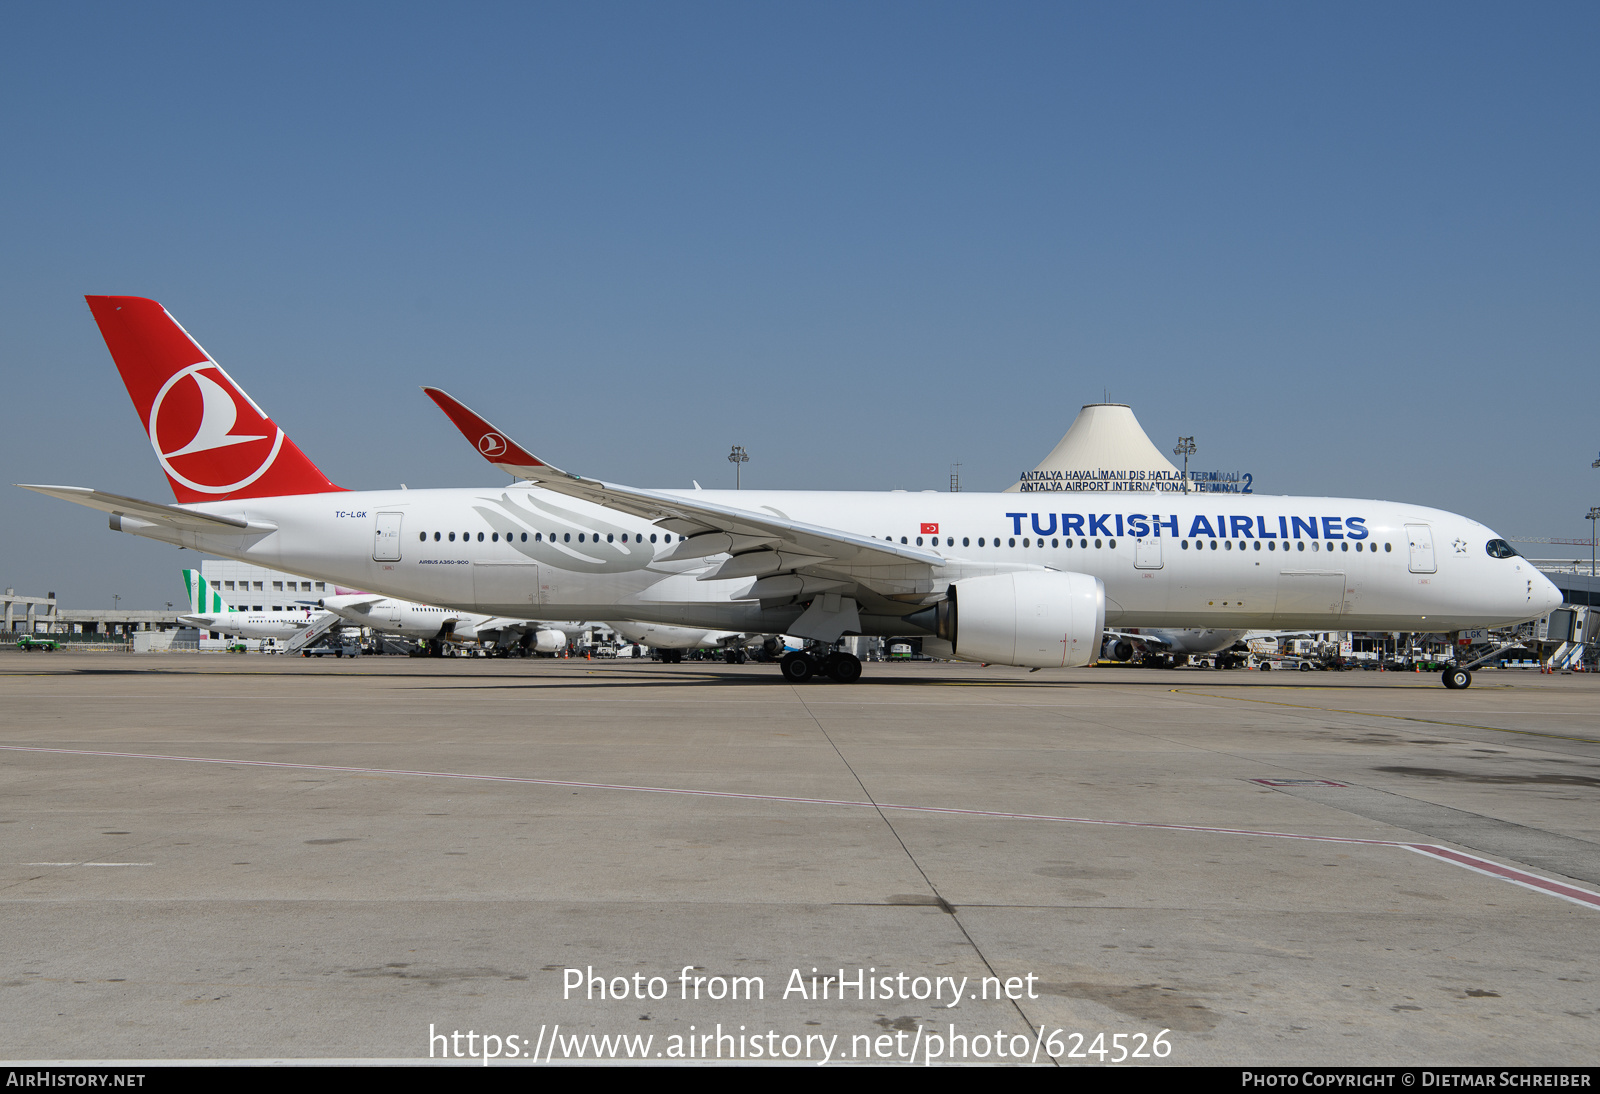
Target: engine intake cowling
(547,640)
(1036,618)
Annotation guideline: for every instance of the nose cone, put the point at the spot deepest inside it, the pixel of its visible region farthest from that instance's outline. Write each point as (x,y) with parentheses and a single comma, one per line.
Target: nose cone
(1545,594)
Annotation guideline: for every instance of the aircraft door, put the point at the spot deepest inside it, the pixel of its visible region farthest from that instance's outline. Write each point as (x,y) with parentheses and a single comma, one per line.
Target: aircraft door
(1421,540)
(386,538)
(1147,553)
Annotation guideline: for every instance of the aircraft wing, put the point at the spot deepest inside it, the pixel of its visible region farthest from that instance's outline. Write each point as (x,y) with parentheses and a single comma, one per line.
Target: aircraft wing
(359,603)
(173,516)
(1147,639)
(711,529)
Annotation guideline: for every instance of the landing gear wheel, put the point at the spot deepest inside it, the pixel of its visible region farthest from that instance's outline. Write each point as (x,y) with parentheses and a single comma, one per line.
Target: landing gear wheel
(844,668)
(1457,679)
(797,668)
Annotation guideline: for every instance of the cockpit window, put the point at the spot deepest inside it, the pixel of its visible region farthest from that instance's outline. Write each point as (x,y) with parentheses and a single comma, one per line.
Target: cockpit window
(1499,548)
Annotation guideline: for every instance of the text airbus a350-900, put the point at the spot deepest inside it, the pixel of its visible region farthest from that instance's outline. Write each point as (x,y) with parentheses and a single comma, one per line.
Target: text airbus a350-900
(995,578)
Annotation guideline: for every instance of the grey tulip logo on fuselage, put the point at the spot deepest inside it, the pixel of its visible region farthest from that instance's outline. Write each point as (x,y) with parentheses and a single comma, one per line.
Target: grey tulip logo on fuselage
(603,549)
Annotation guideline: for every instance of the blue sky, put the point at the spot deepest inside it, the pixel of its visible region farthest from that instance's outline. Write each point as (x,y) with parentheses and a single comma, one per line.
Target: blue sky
(1351,248)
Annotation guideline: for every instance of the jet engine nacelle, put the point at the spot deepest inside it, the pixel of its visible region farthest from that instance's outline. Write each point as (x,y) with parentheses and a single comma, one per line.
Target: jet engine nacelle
(1119,649)
(549,641)
(1036,618)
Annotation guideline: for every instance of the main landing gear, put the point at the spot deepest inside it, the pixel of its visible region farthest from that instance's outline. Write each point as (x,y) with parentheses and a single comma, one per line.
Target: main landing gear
(1457,679)
(802,665)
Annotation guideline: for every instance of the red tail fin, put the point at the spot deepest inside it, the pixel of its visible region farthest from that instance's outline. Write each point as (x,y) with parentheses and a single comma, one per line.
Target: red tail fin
(211,438)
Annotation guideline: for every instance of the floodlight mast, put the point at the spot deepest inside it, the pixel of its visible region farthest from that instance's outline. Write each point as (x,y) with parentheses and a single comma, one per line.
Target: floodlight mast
(737,457)
(1594,515)
(1185,449)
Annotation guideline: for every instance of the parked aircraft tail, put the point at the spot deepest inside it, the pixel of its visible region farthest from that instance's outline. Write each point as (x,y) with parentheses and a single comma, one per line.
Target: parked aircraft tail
(203,596)
(211,439)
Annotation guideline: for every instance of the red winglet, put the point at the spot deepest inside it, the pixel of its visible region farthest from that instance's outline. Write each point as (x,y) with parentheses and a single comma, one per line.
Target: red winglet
(492,444)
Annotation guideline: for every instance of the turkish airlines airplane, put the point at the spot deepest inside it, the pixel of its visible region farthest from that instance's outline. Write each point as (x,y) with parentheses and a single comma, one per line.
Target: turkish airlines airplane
(1002,578)
(1164,642)
(672,641)
(433,624)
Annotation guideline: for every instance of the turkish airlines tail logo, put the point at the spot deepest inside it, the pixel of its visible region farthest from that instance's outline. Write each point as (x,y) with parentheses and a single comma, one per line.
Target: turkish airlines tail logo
(211,439)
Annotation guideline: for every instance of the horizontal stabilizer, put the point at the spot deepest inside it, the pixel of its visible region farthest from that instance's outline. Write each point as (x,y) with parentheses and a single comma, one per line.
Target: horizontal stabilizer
(172,516)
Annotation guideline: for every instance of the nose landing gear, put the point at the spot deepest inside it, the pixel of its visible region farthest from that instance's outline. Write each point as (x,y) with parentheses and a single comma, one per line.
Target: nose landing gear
(1457,679)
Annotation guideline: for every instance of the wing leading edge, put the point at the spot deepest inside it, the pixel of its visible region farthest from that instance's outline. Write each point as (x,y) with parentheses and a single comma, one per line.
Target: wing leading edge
(759,543)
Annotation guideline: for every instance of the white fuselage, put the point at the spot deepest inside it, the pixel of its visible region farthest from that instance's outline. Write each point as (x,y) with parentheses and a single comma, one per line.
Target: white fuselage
(659,636)
(388,615)
(248,624)
(408,619)
(1224,561)
(1192,641)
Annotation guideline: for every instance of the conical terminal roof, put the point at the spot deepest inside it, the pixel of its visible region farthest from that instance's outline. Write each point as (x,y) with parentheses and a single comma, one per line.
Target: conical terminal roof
(1105,444)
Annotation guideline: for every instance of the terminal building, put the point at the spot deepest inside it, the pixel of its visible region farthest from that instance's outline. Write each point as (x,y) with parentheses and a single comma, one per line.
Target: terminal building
(1104,450)
(257,589)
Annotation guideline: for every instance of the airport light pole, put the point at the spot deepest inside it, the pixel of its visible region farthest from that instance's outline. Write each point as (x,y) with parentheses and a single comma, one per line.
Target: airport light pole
(1185,449)
(1594,515)
(737,457)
